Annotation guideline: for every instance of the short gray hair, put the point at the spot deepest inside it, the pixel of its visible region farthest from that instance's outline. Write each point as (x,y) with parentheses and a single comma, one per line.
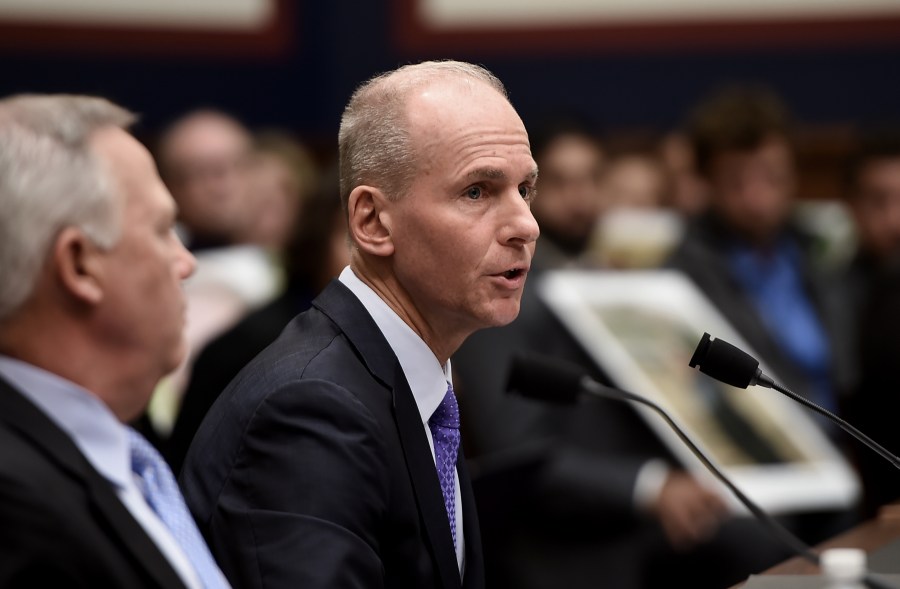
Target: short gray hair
(50,179)
(374,139)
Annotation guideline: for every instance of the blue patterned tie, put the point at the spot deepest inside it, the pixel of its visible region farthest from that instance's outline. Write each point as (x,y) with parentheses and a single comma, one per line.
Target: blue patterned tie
(444,425)
(163,496)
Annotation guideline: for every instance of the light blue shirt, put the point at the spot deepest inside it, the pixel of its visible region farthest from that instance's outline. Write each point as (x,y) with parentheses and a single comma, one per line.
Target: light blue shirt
(426,377)
(103,440)
(774,283)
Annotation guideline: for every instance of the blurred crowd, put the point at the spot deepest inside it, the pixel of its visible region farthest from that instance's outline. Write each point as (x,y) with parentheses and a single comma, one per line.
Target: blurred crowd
(573,495)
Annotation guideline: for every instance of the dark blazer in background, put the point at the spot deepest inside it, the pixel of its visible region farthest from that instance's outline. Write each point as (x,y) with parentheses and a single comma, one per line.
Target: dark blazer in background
(313,468)
(61,522)
(703,257)
(555,484)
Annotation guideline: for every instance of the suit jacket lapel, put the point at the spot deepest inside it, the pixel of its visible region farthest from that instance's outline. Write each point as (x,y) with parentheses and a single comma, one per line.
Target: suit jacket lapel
(342,307)
(425,482)
(347,311)
(474,574)
(21,415)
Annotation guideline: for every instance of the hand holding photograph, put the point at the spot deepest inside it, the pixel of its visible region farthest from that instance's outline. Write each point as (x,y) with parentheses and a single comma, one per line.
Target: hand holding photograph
(641,328)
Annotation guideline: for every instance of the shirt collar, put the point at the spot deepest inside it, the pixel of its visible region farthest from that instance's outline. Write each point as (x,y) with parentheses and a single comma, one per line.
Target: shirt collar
(425,375)
(80,414)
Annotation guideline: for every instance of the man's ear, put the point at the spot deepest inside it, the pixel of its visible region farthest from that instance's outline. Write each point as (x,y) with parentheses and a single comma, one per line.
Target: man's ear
(78,265)
(369,221)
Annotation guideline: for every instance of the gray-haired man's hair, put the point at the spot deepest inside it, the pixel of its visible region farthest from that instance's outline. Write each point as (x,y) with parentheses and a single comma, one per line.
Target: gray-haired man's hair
(374,140)
(50,179)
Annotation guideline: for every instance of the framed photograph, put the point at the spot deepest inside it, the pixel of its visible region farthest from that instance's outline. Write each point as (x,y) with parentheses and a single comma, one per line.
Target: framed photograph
(641,328)
(221,29)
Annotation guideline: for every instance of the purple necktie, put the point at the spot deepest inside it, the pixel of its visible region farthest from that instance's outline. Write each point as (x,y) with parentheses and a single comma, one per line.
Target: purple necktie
(444,425)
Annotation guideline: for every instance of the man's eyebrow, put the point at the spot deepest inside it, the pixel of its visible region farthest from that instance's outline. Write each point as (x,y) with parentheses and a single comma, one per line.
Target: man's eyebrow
(497,174)
(487,173)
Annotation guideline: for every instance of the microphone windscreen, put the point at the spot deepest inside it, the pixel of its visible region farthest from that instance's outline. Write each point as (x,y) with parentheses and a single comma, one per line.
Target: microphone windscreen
(724,362)
(547,379)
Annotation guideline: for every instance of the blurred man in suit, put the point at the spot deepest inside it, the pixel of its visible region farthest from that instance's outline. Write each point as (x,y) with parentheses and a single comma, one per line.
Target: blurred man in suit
(91,317)
(873,193)
(332,459)
(748,256)
(758,266)
(205,159)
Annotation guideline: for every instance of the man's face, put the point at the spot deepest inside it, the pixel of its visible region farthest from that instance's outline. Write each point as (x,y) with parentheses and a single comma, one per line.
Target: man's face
(876,206)
(464,234)
(209,159)
(570,186)
(141,314)
(753,190)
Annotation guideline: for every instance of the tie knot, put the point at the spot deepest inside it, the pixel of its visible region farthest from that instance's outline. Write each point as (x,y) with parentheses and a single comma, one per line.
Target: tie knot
(447,413)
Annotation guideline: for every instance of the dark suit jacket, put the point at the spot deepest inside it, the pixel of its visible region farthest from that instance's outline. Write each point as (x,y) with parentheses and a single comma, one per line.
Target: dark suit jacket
(221,360)
(555,484)
(61,523)
(875,407)
(313,468)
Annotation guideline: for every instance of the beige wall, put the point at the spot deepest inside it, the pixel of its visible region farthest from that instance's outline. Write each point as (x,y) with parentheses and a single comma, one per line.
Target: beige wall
(492,13)
(194,14)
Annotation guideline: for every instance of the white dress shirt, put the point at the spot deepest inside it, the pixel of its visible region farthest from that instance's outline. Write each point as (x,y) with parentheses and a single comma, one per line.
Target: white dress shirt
(103,440)
(426,377)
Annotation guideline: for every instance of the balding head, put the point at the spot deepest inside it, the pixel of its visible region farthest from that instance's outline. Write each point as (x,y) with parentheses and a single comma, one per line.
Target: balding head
(375,144)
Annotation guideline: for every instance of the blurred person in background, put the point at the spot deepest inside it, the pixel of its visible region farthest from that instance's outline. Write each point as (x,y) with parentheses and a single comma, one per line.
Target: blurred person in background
(759,268)
(745,253)
(205,158)
(873,193)
(572,171)
(317,253)
(635,179)
(584,496)
(637,228)
(282,174)
(689,192)
(91,317)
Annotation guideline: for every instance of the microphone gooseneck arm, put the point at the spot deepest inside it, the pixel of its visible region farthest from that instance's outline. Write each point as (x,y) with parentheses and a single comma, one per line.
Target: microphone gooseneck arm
(801,548)
(593,387)
(844,425)
(731,365)
(547,379)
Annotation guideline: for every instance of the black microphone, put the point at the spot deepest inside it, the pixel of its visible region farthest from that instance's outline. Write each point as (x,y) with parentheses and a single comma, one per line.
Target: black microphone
(731,365)
(549,379)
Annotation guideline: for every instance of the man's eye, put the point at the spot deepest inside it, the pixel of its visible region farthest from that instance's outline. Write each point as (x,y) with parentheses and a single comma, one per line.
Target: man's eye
(526,191)
(474,192)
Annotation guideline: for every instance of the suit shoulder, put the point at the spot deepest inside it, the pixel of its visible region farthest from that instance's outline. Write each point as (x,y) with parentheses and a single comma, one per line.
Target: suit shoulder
(38,498)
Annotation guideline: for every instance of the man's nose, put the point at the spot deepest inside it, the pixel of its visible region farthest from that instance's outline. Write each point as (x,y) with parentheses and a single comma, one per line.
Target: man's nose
(522,226)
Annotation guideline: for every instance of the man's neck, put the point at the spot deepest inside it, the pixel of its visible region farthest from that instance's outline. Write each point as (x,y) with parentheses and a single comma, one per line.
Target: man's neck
(75,359)
(442,342)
